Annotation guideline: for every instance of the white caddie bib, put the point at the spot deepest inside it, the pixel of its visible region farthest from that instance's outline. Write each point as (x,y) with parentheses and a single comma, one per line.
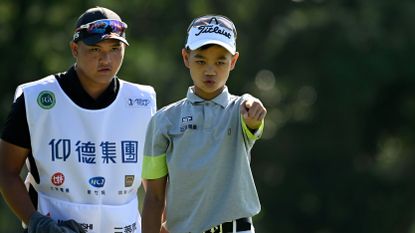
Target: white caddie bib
(88,161)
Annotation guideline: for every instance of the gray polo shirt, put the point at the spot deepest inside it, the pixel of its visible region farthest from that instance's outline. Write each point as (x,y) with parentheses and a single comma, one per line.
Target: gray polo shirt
(204,148)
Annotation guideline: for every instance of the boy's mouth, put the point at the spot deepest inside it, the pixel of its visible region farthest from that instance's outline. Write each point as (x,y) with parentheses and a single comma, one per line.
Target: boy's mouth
(104,69)
(209,82)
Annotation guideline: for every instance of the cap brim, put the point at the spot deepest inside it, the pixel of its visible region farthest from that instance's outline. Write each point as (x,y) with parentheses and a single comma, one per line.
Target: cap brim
(95,39)
(197,44)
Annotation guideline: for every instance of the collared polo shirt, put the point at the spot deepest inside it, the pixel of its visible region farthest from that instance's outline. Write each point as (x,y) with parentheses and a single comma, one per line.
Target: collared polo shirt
(204,147)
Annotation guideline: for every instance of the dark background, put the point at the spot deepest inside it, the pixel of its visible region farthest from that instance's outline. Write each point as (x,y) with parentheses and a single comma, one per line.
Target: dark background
(337,78)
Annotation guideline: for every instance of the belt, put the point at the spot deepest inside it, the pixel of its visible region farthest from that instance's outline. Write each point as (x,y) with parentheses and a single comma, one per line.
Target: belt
(242,224)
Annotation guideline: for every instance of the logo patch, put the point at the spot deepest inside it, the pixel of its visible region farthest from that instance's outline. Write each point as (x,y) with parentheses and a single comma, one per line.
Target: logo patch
(188,126)
(97,182)
(57,179)
(187,119)
(138,102)
(128,180)
(46,99)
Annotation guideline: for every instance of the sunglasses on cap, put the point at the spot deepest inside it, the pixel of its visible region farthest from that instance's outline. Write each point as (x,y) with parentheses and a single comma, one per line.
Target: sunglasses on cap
(104,26)
(219,20)
(100,27)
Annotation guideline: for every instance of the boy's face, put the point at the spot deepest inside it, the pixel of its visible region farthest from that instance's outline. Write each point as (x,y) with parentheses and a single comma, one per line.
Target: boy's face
(99,63)
(209,69)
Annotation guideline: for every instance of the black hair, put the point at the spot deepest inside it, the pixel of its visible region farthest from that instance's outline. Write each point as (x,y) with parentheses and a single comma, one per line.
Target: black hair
(204,47)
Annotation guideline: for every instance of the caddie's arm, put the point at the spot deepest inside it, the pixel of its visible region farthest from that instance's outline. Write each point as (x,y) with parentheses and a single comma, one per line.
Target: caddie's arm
(12,159)
(14,192)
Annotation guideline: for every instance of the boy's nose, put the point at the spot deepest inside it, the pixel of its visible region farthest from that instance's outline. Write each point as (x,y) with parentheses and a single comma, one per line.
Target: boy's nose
(210,70)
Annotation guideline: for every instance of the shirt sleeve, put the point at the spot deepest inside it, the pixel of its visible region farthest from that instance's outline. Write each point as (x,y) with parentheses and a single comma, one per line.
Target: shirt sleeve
(252,135)
(155,147)
(16,129)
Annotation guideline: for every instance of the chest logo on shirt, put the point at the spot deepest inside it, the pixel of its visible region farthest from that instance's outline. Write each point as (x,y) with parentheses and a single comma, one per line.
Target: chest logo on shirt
(46,99)
(187,123)
(187,119)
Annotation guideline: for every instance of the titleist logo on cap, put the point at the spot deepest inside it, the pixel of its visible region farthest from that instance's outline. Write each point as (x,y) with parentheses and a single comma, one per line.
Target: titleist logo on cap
(213,29)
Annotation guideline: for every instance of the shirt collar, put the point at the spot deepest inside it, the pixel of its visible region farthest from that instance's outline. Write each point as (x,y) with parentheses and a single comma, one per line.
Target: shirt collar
(111,90)
(222,99)
(71,85)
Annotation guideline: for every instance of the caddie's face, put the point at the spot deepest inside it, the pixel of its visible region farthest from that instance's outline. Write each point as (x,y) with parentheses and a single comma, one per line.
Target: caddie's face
(209,69)
(98,64)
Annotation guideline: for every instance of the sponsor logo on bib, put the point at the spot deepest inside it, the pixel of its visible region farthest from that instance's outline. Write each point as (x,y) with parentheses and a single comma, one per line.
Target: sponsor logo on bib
(46,99)
(57,179)
(97,182)
(128,180)
(138,102)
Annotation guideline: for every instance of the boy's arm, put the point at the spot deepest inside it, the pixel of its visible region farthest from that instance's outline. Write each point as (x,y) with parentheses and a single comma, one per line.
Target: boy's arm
(253,112)
(154,176)
(153,205)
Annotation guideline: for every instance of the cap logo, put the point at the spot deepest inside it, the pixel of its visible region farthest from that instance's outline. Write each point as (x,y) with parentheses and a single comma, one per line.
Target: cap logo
(46,99)
(213,18)
(75,36)
(213,29)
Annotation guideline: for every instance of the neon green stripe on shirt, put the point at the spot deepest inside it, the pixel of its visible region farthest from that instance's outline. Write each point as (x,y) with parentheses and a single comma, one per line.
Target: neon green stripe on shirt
(154,167)
(248,132)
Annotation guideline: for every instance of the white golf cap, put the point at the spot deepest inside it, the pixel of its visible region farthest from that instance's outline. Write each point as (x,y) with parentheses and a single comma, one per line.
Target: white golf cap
(212,29)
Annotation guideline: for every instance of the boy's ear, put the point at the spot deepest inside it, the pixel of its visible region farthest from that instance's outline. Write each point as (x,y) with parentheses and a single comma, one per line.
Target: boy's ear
(185,56)
(234,59)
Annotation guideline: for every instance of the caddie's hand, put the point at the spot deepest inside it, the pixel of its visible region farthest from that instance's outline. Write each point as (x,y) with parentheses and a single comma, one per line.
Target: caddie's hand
(73,225)
(39,223)
(253,112)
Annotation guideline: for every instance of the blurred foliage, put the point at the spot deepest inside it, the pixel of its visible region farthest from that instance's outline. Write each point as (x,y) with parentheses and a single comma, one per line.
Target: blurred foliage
(337,154)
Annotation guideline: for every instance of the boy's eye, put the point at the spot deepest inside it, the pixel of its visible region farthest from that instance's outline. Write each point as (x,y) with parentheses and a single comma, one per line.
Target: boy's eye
(221,63)
(200,62)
